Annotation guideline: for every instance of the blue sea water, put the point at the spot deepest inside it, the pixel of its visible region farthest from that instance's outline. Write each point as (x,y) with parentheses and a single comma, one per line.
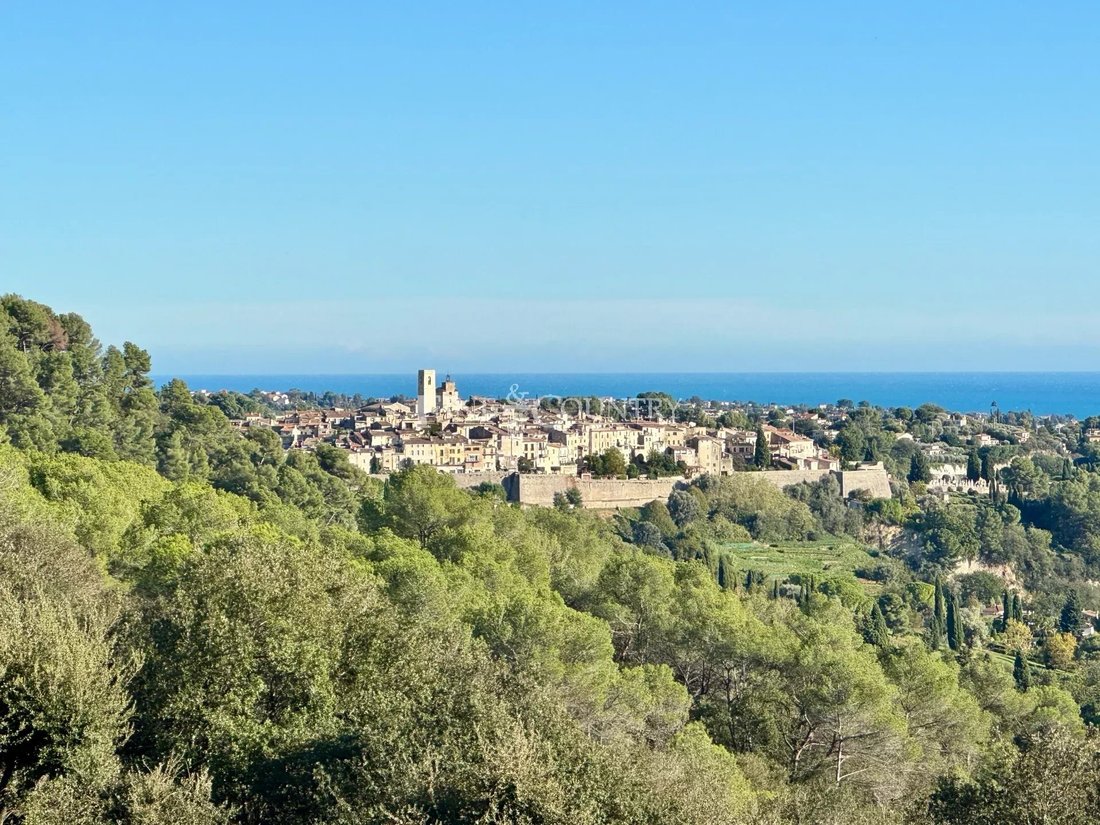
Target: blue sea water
(1073,393)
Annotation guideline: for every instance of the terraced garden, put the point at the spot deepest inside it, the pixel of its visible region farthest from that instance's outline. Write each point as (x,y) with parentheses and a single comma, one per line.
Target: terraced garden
(783,559)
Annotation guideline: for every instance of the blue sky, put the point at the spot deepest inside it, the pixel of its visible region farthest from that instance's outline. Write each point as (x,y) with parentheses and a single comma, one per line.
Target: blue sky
(361,187)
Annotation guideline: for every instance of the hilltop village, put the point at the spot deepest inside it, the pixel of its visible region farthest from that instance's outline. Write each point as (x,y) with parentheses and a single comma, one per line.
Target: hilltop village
(653,437)
(480,434)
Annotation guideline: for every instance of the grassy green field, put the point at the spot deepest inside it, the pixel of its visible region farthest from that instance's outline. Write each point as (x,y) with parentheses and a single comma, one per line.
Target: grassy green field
(819,558)
(1009,659)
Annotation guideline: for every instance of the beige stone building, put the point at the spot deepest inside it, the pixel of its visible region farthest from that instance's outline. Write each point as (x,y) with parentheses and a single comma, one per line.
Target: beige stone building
(622,437)
(789,444)
(710,453)
(449,403)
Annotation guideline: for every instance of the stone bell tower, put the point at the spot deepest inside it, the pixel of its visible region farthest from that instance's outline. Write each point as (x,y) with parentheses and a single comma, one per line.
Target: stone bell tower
(425,393)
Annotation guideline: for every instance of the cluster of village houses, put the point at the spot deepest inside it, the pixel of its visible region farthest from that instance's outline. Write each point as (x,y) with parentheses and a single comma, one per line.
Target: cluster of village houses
(457,435)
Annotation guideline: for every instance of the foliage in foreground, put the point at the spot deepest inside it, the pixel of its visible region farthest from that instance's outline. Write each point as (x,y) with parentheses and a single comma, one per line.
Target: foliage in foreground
(199,628)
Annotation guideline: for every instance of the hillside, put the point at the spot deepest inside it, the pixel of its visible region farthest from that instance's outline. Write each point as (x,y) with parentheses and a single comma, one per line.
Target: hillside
(200,627)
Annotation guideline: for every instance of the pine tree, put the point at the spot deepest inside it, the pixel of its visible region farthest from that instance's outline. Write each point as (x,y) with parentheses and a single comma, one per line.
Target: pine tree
(23,405)
(1021,672)
(1070,619)
(174,462)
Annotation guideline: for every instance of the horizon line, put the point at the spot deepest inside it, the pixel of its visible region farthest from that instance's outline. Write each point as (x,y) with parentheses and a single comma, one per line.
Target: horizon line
(264,374)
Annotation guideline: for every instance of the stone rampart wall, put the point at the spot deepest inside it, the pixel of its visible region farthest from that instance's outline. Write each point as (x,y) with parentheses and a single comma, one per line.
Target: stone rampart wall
(596,493)
(608,494)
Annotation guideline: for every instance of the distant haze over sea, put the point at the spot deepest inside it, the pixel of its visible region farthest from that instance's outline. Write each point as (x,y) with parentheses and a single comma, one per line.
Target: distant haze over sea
(1076,393)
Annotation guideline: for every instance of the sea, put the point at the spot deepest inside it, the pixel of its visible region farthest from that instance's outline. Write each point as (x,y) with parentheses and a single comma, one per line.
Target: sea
(1041,393)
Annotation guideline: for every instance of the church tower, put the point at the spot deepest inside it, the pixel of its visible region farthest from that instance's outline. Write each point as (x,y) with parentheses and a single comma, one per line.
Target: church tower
(425,393)
(449,401)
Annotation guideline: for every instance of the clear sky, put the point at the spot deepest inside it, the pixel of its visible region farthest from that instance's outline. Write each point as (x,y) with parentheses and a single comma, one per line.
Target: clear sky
(575,186)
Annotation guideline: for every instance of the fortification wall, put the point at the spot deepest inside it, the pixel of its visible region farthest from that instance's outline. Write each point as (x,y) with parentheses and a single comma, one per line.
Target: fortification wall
(785,478)
(464,481)
(468,480)
(597,494)
(874,480)
(608,494)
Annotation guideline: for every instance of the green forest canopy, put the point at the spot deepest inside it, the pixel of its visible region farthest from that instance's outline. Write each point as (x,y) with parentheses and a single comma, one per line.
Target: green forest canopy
(199,627)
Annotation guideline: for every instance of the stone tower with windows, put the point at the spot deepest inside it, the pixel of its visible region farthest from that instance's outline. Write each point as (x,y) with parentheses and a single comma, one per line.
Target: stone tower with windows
(449,401)
(425,393)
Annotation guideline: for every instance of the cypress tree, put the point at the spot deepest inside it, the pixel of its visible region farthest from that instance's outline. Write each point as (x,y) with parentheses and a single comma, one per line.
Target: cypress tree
(1006,609)
(875,631)
(939,617)
(723,573)
(988,471)
(973,466)
(1021,672)
(960,632)
(754,580)
(919,469)
(708,558)
(1017,608)
(775,588)
(762,455)
(1070,619)
(955,637)
(807,588)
